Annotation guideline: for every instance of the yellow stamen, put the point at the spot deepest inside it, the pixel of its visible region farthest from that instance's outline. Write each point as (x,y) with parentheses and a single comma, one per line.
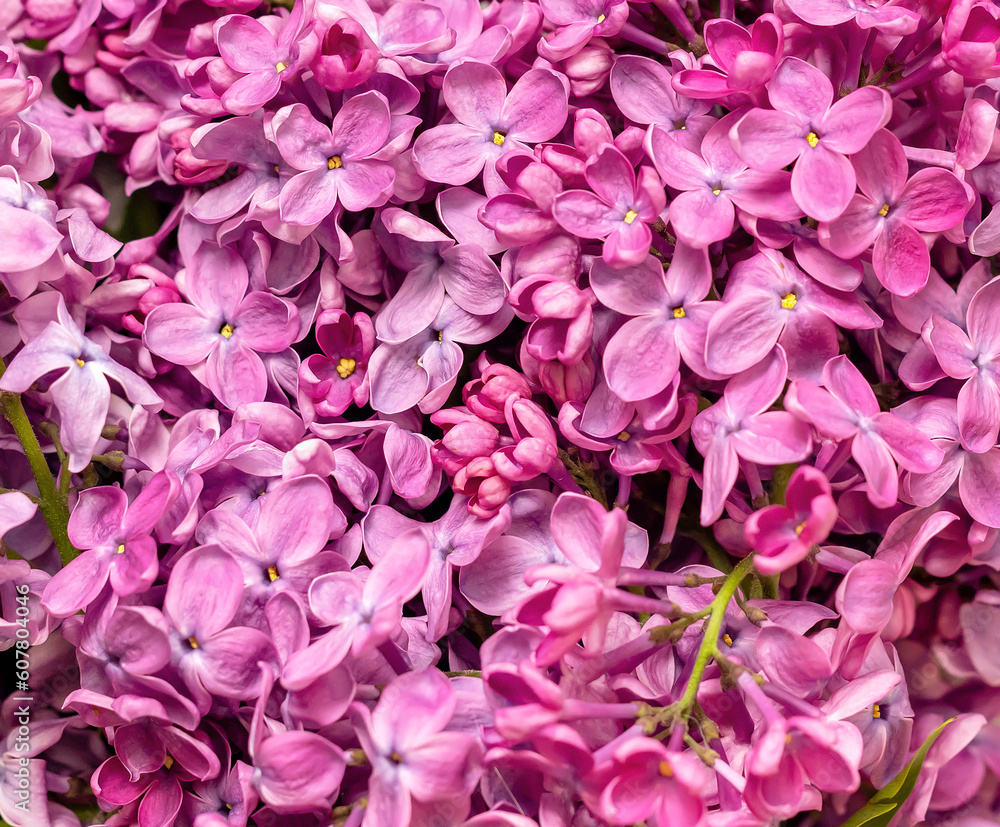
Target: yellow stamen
(280,67)
(800,528)
(229,806)
(727,639)
(440,335)
(884,211)
(812,139)
(602,18)
(345,367)
(717,191)
(666,770)
(624,436)
(273,573)
(788,738)
(227,330)
(192,642)
(168,762)
(396,758)
(121,548)
(80,362)
(499,138)
(679,313)
(876,711)
(789,300)
(334,162)
(631,216)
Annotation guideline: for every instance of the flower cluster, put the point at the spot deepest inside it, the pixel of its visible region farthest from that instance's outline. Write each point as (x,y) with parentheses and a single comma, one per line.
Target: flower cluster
(525,413)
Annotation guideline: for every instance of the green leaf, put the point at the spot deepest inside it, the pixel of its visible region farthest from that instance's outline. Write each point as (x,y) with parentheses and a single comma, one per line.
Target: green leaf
(882,806)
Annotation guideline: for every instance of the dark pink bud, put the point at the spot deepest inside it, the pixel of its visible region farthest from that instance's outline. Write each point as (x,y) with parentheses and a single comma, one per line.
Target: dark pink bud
(591,132)
(526,419)
(472,438)
(487,396)
(589,68)
(346,58)
(187,168)
(568,383)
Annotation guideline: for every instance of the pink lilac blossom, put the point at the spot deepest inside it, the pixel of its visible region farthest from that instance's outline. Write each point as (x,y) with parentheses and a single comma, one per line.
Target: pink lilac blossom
(536,413)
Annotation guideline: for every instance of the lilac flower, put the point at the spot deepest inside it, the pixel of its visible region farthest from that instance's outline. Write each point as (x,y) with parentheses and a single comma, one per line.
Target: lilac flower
(618,210)
(891,212)
(713,181)
(297,772)
(784,534)
(413,758)
(741,426)
(115,538)
(81,393)
(808,127)
(770,301)
(335,379)
(225,327)
(577,22)
(346,163)
(264,61)
(886,17)
(491,120)
(203,594)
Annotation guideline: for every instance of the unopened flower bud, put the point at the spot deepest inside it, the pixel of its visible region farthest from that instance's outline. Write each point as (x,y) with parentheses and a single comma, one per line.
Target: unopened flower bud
(346,58)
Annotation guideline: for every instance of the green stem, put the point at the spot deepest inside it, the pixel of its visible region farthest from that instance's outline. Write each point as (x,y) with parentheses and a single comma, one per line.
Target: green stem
(52,504)
(710,640)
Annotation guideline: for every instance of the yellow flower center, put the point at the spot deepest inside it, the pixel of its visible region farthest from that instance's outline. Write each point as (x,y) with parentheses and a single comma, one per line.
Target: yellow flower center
(800,528)
(280,67)
(717,191)
(624,436)
(876,711)
(602,18)
(168,762)
(227,330)
(121,548)
(789,301)
(812,139)
(346,367)
(499,138)
(727,639)
(79,362)
(631,216)
(679,313)
(334,162)
(273,573)
(884,211)
(193,642)
(666,770)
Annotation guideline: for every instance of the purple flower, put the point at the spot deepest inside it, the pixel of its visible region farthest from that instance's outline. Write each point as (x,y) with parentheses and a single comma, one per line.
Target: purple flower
(115,538)
(846,408)
(783,535)
(81,394)
(887,17)
(618,210)
(891,211)
(335,379)
(741,426)
(347,163)
(413,758)
(264,61)
(490,120)
(576,22)
(225,327)
(808,127)
(297,772)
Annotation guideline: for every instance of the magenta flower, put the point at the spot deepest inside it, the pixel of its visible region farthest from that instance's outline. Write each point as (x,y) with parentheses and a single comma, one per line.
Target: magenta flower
(741,426)
(491,120)
(806,126)
(713,182)
(413,757)
(887,17)
(115,538)
(81,394)
(783,535)
(890,212)
(746,58)
(225,327)
(346,163)
(647,779)
(618,210)
(346,56)
(333,380)
(846,408)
